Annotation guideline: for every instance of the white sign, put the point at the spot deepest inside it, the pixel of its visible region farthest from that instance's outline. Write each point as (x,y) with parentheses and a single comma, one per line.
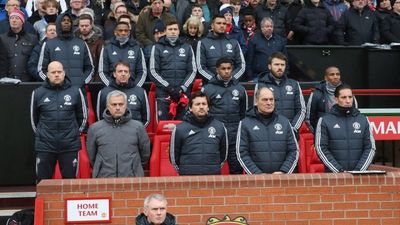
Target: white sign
(84,210)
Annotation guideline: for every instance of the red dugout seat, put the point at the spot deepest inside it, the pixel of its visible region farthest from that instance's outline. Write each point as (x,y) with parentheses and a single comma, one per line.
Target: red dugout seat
(152,104)
(308,160)
(197,84)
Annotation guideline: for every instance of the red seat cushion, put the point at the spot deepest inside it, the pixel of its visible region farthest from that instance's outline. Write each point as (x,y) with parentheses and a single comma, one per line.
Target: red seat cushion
(160,164)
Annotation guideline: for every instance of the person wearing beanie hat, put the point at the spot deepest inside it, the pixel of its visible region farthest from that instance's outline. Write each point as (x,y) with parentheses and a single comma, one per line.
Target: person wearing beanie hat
(18,45)
(159,30)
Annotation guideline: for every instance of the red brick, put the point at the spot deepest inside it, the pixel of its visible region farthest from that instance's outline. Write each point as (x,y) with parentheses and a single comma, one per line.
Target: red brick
(285,199)
(347,205)
(333,214)
(260,216)
(308,198)
(212,201)
(248,208)
(321,222)
(344,189)
(175,193)
(284,216)
(390,221)
(345,222)
(356,197)
(199,193)
(390,205)
(381,213)
(237,200)
(391,188)
(309,215)
(225,209)
(248,192)
(119,220)
(273,208)
(134,203)
(122,211)
(51,214)
(189,219)
(188,201)
(118,203)
(368,189)
(124,195)
(297,222)
(380,197)
(369,205)
(356,214)
(321,206)
(200,210)
(332,198)
(369,221)
(178,210)
(297,207)
(261,200)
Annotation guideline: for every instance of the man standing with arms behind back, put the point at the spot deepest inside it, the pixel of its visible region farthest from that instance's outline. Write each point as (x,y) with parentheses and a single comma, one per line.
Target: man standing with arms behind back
(58,115)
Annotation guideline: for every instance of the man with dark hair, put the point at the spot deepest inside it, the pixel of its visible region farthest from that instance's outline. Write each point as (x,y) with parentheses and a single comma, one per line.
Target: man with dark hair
(288,95)
(117,145)
(228,104)
(58,116)
(390,28)
(138,103)
(278,13)
(215,45)
(173,68)
(199,145)
(70,51)
(93,36)
(122,47)
(343,138)
(322,98)
(18,47)
(266,141)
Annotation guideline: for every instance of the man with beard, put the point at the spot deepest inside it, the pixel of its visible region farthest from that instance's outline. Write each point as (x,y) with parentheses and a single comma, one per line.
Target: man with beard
(343,138)
(199,145)
(70,51)
(287,92)
(92,35)
(137,98)
(122,47)
(173,68)
(266,141)
(215,45)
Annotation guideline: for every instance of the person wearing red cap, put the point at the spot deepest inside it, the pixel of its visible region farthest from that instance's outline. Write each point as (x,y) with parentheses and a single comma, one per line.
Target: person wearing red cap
(18,46)
(12,5)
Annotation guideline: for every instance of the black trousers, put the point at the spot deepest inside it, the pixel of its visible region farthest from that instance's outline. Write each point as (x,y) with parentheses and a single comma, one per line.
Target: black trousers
(46,163)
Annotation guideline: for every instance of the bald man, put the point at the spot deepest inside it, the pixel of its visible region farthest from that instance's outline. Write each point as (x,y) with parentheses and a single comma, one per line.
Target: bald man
(58,116)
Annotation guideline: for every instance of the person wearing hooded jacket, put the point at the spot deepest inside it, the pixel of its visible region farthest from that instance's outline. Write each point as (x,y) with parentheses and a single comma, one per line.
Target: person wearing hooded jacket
(58,116)
(288,95)
(215,45)
(122,47)
(228,104)
(344,140)
(199,145)
(117,145)
(266,141)
(173,69)
(138,103)
(70,51)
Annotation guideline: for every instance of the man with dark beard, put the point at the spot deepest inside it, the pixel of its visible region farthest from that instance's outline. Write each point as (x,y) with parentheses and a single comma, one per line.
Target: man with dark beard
(70,51)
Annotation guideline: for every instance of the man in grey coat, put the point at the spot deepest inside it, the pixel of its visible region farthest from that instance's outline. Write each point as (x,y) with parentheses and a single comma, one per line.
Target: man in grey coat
(117,145)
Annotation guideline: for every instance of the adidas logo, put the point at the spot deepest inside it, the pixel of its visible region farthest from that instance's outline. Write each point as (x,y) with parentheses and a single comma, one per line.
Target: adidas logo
(57,49)
(191,132)
(256,127)
(114,53)
(212,47)
(165,51)
(46,100)
(218,96)
(336,126)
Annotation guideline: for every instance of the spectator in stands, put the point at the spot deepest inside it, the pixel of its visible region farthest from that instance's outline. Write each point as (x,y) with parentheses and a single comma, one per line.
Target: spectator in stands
(209,10)
(122,47)
(117,145)
(261,48)
(12,5)
(50,16)
(315,23)
(35,54)
(135,6)
(39,13)
(158,32)
(266,141)
(231,29)
(111,22)
(137,98)
(155,212)
(287,92)
(215,45)
(391,25)
(173,69)
(193,30)
(18,46)
(197,11)
(70,51)
(146,23)
(4,61)
(278,13)
(199,145)
(343,138)
(75,7)
(236,16)
(92,35)
(358,25)
(336,8)
(322,98)
(249,27)
(57,128)
(228,104)
(294,7)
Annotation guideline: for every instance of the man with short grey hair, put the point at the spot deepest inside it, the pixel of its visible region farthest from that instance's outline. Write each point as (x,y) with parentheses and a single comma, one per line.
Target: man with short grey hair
(155,212)
(117,145)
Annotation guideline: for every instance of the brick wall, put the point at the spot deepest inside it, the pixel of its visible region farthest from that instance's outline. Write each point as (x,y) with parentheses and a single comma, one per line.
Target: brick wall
(323,199)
